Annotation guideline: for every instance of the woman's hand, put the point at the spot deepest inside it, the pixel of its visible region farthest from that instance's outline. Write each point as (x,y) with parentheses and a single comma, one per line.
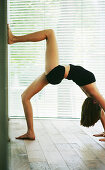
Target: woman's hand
(103,123)
(100,134)
(102,140)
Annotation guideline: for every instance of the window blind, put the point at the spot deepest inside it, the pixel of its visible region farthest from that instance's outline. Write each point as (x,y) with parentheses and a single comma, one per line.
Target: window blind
(79,28)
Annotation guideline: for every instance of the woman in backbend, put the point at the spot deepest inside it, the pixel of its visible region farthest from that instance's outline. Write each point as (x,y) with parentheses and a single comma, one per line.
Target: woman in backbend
(93,107)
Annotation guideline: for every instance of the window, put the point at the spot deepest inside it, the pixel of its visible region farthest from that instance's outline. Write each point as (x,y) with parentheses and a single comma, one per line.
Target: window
(80,30)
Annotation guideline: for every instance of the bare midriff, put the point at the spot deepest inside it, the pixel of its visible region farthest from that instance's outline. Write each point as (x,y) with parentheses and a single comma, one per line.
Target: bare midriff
(67,69)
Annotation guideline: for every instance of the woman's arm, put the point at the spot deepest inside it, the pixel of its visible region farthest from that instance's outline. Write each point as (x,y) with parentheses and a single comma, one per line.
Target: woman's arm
(103,118)
(103,124)
(87,94)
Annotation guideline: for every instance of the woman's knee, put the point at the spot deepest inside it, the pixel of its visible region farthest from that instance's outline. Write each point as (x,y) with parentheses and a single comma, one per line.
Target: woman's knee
(49,32)
(24,97)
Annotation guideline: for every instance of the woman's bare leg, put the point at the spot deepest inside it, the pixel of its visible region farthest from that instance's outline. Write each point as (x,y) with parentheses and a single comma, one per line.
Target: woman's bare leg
(51,58)
(33,37)
(34,88)
(51,61)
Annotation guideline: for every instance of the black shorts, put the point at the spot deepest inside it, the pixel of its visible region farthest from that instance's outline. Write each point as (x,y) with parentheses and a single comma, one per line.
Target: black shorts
(56,75)
(80,75)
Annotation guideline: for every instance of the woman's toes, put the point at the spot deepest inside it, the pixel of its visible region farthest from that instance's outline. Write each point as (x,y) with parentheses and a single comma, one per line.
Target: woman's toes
(26,136)
(10,36)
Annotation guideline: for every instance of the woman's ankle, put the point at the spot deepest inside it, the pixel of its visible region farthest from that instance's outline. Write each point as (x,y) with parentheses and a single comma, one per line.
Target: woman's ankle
(30,131)
(15,39)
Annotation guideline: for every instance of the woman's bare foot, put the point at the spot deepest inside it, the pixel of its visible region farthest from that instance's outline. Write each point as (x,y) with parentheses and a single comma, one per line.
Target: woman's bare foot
(10,36)
(100,134)
(28,135)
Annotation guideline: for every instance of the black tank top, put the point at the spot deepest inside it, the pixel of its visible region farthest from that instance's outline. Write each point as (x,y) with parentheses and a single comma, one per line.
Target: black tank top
(80,75)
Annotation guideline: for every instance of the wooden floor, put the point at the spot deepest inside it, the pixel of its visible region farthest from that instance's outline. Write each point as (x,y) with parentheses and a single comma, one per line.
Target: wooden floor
(59,145)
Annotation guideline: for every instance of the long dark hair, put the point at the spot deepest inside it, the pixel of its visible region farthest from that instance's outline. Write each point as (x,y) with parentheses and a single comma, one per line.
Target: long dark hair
(90,113)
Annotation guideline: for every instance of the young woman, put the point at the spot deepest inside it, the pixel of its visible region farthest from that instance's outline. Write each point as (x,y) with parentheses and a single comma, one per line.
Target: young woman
(93,107)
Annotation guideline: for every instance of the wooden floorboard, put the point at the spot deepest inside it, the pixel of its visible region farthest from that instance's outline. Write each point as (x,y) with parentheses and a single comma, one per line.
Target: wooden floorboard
(59,145)
(65,149)
(51,153)
(39,166)
(17,151)
(86,145)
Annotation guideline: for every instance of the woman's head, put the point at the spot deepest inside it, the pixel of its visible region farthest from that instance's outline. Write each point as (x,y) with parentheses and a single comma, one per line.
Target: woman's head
(90,113)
